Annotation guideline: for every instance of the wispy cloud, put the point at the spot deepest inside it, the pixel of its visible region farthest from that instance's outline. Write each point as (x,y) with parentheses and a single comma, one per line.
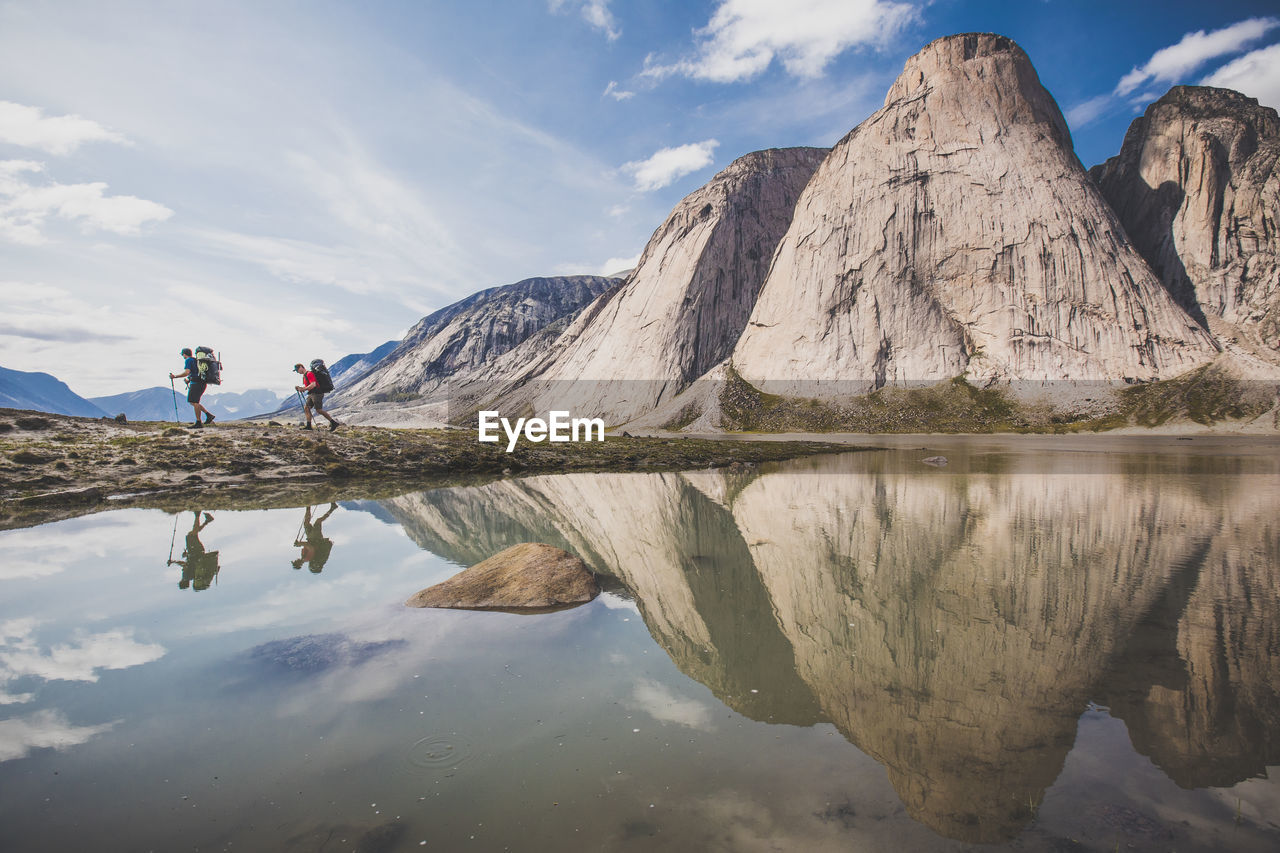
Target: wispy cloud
(613,91)
(744,37)
(38,312)
(594,12)
(25,205)
(614,265)
(45,729)
(1256,74)
(1089,111)
(31,128)
(1173,63)
(669,164)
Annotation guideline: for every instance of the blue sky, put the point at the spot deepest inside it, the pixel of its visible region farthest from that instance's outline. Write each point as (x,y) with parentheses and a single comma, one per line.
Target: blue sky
(287,180)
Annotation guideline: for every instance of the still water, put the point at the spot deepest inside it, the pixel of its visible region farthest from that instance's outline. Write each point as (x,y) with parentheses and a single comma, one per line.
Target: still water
(1037,646)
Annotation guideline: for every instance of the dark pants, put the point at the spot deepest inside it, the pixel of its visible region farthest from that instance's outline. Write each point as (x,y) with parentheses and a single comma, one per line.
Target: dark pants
(195,390)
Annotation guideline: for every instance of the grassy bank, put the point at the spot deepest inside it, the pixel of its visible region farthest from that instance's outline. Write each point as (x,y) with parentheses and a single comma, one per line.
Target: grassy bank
(1205,396)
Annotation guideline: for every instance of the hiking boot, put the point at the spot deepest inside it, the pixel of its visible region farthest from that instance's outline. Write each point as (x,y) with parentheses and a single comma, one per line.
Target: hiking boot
(196,425)
(333,425)
(308,426)
(208,418)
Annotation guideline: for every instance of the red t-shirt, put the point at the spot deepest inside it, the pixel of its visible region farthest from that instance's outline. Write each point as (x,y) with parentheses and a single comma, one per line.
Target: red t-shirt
(308,381)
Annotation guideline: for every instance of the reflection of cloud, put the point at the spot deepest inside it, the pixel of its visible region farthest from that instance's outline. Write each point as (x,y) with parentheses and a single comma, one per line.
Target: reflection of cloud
(78,660)
(659,702)
(26,568)
(613,601)
(42,729)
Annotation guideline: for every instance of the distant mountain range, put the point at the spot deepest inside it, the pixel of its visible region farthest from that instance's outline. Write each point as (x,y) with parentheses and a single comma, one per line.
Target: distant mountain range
(43,393)
(158,404)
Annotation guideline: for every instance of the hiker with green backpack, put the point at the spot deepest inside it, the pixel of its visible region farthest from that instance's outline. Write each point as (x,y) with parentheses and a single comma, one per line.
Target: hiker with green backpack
(200,370)
(316,382)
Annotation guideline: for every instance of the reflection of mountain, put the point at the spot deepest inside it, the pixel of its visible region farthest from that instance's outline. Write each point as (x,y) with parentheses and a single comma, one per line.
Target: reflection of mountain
(952,624)
(1215,716)
(677,550)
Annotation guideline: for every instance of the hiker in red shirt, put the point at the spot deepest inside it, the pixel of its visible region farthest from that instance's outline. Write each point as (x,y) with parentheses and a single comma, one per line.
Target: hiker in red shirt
(310,386)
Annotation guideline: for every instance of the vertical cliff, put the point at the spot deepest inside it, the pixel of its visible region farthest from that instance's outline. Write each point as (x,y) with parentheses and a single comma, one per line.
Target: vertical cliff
(954,231)
(1197,188)
(684,306)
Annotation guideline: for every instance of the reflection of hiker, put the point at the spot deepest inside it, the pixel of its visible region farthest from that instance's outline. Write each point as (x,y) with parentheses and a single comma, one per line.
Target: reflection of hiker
(199,567)
(315,382)
(195,387)
(315,547)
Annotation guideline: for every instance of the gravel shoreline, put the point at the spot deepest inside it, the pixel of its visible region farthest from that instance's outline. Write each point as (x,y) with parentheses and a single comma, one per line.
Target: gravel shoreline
(56,466)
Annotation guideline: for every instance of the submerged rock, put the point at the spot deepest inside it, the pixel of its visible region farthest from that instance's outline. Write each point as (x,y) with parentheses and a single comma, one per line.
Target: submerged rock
(529,576)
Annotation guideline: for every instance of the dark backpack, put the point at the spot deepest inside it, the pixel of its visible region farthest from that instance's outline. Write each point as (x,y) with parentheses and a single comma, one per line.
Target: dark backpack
(324,382)
(208,368)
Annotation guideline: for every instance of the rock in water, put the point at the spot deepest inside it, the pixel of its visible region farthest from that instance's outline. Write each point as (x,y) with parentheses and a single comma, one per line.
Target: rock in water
(683,308)
(955,231)
(530,576)
(1196,186)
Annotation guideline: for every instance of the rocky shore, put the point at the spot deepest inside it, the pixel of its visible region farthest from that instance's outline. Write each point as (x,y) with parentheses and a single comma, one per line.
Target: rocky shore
(55,466)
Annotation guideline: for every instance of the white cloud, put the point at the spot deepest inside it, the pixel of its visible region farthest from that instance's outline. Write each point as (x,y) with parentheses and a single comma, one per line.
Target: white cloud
(25,206)
(594,12)
(1172,63)
(1256,74)
(616,93)
(614,265)
(745,36)
(31,128)
(43,729)
(1089,111)
(670,164)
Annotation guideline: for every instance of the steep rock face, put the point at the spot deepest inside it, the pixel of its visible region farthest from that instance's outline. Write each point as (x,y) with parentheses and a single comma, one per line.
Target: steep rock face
(684,306)
(954,231)
(1196,186)
(470,333)
(463,339)
(351,368)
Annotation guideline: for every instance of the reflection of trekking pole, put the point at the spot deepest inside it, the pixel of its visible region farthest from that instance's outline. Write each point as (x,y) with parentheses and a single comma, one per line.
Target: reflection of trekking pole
(174,536)
(174,391)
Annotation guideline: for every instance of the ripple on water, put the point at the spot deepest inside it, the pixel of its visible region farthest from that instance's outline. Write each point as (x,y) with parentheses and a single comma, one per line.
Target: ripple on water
(437,752)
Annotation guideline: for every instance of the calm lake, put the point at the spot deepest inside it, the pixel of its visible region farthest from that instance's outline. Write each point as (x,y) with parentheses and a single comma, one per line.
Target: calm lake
(1037,646)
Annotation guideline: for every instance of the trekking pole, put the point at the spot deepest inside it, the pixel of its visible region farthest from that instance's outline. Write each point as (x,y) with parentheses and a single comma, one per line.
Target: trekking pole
(174,392)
